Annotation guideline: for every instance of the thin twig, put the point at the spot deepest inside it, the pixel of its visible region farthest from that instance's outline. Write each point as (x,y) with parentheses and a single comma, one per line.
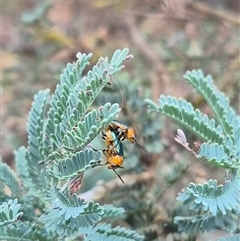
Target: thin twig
(159,74)
(218,13)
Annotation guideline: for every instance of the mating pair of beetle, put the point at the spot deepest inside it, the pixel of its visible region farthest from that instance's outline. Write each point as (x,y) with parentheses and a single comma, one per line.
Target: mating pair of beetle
(116,132)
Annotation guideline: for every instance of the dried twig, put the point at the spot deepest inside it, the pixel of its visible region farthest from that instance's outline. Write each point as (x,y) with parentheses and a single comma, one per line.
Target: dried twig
(159,73)
(218,13)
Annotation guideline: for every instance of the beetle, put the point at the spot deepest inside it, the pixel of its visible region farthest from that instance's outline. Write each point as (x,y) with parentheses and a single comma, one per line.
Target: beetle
(113,152)
(112,143)
(123,132)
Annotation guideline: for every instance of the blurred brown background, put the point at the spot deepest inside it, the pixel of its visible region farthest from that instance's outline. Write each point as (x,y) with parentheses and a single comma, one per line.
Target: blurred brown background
(167,38)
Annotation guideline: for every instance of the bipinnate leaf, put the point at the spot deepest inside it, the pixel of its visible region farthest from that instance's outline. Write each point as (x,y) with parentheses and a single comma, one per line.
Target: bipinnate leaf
(9,178)
(9,212)
(104,232)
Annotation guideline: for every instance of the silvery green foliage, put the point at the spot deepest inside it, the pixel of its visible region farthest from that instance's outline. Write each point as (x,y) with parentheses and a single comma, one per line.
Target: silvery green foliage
(12,229)
(210,205)
(235,237)
(9,177)
(9,212)
(103,232)
(60,128)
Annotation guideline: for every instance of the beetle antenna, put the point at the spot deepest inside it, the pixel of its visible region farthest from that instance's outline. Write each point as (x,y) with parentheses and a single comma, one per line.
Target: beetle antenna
(144,149)
(118,175)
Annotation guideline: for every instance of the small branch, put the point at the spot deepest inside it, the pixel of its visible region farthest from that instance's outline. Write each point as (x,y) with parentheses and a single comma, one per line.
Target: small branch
(159,77)
(218,13)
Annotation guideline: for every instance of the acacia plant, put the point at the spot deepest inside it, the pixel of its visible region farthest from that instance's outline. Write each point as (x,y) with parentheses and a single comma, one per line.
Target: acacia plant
(42,203)
(211,205)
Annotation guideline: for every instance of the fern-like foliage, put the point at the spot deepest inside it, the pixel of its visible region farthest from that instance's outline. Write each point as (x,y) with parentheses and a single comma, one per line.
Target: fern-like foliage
(70,128)
(9,179)
(219,139)
(60,129)
(205,222)
(211,206)
(211,196)
(68,125)
(68,214)
(235,237)
(109,211)
(216,206)
(103,232)
(24,232)
(78,163)
(218,102)
(9,212)
(183,112)
(28,159)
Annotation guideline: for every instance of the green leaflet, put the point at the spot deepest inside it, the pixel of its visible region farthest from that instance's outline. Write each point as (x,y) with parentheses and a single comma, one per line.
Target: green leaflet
(9,178)
(27,160)
(24,231)
(205,222)
(35,126)
(212,197)
(110,211)
(77,163)
(210,205)
(216,155)
(103,232)
(183,112)
(69,213)
(76,93)
(30,172)
(9,212)
(218,102)
(235,237)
